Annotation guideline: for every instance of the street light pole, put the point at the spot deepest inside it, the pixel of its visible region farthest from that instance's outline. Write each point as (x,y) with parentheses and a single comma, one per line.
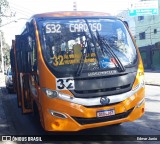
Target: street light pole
(74,6)
(2,64)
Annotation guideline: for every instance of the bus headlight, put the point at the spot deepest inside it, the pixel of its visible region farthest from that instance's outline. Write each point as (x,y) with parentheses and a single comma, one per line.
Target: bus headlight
(50,93)
(142,79)
(54,94)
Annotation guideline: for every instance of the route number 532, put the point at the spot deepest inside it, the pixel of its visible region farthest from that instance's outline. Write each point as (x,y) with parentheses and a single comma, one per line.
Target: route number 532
(65,83)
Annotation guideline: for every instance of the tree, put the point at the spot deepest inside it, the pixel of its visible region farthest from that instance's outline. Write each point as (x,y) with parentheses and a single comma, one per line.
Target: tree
(4,5)
(6,52)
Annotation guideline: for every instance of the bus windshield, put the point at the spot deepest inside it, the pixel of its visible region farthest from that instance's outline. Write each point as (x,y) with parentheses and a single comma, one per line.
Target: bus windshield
(73,45)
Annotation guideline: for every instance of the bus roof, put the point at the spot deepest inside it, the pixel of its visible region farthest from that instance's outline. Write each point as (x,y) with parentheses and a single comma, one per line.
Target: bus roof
(71,13)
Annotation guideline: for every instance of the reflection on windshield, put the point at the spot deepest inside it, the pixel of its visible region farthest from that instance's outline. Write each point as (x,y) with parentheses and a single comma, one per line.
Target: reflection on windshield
(69,43)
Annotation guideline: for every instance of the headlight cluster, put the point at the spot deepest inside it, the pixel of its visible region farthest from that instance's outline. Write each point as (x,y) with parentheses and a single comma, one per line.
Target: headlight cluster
(50,93)
(53,94)
(142,79)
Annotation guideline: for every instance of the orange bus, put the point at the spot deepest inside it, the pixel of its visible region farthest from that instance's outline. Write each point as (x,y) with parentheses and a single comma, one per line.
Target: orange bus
(78,70)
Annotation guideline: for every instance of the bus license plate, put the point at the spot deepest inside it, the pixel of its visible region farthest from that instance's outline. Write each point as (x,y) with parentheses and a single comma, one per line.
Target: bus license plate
(104,113)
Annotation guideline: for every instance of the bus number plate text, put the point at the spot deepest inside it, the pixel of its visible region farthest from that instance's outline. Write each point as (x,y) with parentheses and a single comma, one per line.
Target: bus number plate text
(65,83)
(105,113)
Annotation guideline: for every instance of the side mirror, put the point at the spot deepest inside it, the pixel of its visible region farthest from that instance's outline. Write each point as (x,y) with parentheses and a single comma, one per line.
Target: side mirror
(17,42)
(126,23)
(24,43)
(28,26)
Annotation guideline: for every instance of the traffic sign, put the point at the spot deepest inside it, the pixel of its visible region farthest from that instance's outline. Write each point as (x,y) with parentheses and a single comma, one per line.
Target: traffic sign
(141,12)
(143,8)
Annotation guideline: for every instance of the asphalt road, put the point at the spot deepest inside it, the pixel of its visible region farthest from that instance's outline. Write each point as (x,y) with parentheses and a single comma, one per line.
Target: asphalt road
(149,124)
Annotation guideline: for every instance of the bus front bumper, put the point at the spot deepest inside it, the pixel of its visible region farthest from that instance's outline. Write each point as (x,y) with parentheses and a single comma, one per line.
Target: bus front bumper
(65,116)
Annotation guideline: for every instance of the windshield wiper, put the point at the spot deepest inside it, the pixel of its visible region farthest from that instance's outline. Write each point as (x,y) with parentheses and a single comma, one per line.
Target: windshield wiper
(109,50)
(83,57)
(94,39)
(84,52)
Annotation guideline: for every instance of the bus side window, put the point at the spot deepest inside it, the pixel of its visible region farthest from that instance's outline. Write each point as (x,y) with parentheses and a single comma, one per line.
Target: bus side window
(34,57)
(33,54)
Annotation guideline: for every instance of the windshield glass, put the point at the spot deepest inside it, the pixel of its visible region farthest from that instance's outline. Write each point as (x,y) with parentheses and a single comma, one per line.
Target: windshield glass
(69,43)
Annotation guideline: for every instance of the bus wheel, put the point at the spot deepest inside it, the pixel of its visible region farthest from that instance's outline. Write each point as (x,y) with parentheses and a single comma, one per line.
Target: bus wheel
(37,118)
(36,113)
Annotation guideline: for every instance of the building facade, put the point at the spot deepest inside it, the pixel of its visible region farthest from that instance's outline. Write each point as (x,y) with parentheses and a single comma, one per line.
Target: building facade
(147,36)
(146,31)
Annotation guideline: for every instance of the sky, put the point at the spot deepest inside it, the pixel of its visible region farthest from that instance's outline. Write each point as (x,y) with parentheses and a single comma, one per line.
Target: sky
(24,9)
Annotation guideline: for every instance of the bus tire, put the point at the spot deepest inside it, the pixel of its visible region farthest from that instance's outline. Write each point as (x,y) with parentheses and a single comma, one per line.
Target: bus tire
(37,118)
(36,112)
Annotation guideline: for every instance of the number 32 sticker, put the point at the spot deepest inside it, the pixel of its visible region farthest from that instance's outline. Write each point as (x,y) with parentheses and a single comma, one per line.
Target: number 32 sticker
(65,83)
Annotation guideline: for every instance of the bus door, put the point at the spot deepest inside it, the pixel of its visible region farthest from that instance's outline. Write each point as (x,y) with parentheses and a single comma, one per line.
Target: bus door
(23,72)
(13,65)
(18,64)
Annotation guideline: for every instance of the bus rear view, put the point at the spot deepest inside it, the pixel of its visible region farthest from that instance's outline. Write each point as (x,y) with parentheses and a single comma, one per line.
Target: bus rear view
(87,70)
